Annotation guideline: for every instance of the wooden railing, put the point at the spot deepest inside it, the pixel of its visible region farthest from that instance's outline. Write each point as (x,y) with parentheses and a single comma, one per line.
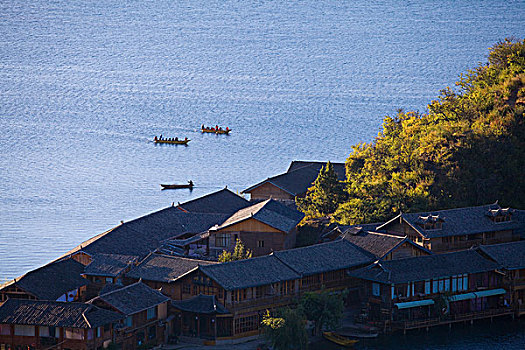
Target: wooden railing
(268,302)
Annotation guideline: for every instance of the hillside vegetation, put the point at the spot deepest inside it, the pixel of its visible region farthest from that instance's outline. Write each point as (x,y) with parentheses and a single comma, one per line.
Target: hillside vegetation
(469,148)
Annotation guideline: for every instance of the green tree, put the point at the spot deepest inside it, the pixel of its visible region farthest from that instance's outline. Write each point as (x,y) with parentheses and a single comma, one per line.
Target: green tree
(324,309)
(326,193)
(286,329)
(467,150)
(239,253)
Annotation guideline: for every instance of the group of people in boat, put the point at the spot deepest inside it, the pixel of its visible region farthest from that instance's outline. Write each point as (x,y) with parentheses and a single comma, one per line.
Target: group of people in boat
(168,138)
(211,128)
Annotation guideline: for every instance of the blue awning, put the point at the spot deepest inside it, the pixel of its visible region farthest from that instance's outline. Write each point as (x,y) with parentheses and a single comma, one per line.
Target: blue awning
(480,294)
(465,296)
(417,303)
(488,293)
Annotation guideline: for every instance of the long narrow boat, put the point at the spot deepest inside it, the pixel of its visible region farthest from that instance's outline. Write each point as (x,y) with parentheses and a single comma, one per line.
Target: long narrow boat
(177,186)
(338,339)
(173,142)
(216,131)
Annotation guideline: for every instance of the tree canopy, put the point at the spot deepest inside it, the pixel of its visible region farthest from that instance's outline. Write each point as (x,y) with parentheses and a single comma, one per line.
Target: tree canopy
(324,309)
(324,196)
(469,149)
(286,329)
(239,253)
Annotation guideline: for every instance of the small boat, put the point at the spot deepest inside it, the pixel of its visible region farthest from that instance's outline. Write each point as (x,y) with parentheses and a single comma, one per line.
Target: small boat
(172,141)
(338,339)
(177,186)
(215,130)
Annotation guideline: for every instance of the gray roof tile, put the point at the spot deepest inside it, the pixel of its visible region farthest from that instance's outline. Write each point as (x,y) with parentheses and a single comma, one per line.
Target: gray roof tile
(133,298)
(55,313)
(201,304)
(510,256)
(425,267)
(164,268)
(220,202)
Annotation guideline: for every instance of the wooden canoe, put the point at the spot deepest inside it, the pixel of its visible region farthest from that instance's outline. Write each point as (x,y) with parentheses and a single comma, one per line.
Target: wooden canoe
(338,339)
(173,142)
(215,131)
(176,186)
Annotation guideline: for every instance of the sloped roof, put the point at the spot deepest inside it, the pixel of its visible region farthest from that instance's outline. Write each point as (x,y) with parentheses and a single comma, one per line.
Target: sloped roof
(510,256)
(201,304)
(425,267)
(55,313)
(165,268)
(270,212)
(108,264)
(339,168)
(133,298)
(220,202)
(324,257)
(379,244)
(462,221)
(139,237)
(249,272)
(51,281)
(299,177)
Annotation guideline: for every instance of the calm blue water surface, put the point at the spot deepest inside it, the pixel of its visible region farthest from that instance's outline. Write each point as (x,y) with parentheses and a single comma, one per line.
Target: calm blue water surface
(85,85)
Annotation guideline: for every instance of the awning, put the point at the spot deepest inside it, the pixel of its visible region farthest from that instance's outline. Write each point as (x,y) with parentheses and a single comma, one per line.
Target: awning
(465,296)
(480,294)
(410,304)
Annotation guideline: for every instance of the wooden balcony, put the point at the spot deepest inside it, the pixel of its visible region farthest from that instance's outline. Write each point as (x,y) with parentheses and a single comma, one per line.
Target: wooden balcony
(264,302)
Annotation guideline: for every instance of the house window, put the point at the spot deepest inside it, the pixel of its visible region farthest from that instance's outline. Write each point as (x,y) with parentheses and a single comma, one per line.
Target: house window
(186,288)
(246,324)
(260,244)
(128,322)
(222,239)
(25,331)
(376,289)
(427,287)
(151,313)
(99,331)
(5,329)
(419,288)
(109,280)
(74,333)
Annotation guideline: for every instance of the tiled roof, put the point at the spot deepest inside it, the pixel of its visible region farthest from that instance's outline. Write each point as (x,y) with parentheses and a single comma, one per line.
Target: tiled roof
(463,221)
(270,212)
(55,313)
(164,268)
(53,280)
(300,177)
(220,202)
(338,167)
(324,257)
(141,236)
(201,304)
(133,298)
(379,244)
(510,256)
(249,272)
(425,267)
(108,264)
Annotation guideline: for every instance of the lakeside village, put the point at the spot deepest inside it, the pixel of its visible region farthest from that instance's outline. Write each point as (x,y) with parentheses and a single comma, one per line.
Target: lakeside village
(154,279)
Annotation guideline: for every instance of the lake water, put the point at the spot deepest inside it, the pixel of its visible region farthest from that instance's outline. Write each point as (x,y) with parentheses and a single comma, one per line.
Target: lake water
(85,85)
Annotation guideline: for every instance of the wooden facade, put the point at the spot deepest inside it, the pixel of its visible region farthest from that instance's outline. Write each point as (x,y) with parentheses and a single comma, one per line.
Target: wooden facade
(13,336)
(269,190)
(259,237)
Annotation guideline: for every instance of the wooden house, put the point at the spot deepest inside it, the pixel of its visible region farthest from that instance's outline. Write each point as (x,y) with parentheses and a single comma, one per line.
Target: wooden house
(293,183)
(461,228)
(432,290)
(263,227)
(41,324)
(384,246)
(60,280)
(161,272)
(243,290)
(145,311)
(511,259)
